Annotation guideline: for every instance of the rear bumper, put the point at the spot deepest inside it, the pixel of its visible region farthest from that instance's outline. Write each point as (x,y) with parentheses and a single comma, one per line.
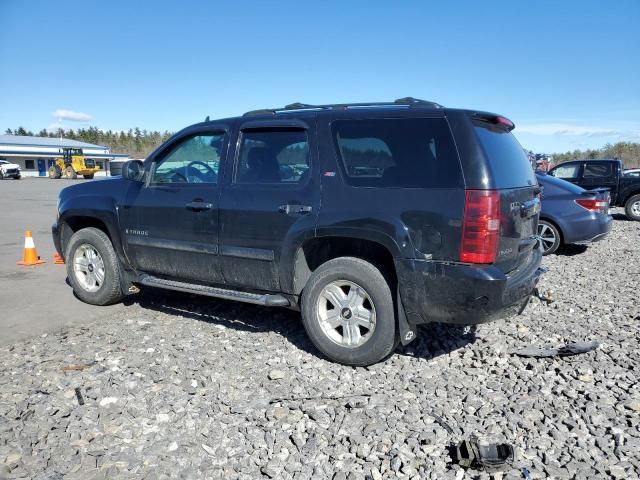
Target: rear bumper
(595,230)
(434,291)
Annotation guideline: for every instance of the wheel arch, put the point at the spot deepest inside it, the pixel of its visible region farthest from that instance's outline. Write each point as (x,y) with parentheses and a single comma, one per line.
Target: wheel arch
(74,219)
(318,250)
(628,197)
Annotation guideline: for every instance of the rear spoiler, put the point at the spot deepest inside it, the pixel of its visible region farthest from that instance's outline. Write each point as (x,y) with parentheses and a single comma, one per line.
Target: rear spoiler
(600,190)
(603,192)
(494,119)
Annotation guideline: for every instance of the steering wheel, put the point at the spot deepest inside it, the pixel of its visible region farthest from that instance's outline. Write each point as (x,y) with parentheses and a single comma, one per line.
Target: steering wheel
(200,175)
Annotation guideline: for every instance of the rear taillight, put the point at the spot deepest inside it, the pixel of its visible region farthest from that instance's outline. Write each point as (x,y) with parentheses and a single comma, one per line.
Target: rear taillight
(593,205)
(480,226)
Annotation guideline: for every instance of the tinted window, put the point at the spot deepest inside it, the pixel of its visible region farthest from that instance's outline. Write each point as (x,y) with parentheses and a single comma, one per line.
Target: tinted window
(597,170)
(509,164)
(273,156)
(194,160)
(407,152)
(567,171)
(29,164)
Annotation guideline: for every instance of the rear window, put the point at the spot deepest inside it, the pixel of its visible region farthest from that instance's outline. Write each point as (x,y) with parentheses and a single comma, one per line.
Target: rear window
(509,164)
(402,152)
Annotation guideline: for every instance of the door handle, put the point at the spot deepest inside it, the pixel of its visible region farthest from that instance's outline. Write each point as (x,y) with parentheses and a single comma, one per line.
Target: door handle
(289,209)
(198,206)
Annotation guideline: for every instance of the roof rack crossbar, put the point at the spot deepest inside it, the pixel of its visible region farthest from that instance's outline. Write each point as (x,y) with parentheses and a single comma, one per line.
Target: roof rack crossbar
(406,102)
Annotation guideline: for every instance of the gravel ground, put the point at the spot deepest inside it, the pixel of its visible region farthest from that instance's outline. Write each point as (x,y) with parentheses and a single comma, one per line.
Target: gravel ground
(184,387)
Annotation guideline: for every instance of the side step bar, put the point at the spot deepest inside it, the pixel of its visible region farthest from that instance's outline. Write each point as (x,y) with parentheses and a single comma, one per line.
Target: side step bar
(267,299)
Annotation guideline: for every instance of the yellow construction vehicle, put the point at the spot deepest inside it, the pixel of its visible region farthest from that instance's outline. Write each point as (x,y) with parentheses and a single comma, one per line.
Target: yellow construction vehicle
(73,163)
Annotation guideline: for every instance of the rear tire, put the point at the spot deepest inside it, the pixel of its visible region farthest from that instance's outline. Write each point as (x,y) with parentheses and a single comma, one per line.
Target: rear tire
(70,173)
(348,312)
(550,235)
(54,172)
(93,268)
(632,208)
(88,177)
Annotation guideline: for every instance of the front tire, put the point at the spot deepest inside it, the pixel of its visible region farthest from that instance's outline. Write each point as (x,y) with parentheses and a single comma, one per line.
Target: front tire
(632,208)
(550,235)
(70,173)
(88,177)
(348,312)
(93,268)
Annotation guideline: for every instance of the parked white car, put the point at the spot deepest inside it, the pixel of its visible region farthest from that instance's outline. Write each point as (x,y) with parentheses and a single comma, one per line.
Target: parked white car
(9,170)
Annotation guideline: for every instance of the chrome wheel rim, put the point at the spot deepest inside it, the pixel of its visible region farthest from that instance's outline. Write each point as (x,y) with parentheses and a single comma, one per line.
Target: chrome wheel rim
(88,267)
(635,208)
(547,235)
(346,313)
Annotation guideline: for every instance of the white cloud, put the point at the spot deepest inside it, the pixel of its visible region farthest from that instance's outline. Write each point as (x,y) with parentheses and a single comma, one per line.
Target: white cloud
(71,115)
(576,130)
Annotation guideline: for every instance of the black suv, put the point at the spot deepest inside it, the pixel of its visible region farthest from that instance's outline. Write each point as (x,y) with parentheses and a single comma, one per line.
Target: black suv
(369,218)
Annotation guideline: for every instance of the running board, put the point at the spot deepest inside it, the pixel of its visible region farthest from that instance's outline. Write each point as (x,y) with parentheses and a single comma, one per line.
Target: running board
(267,299)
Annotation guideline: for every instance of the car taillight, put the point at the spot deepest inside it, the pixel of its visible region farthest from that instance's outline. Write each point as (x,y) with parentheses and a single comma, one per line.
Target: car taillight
(480,226)
(593,205)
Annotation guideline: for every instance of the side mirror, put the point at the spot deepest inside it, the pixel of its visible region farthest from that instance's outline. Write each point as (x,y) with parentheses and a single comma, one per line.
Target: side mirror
(133,170)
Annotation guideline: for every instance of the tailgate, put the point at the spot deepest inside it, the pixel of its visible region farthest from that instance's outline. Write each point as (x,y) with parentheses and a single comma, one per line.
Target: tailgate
(513,177)
(519,210)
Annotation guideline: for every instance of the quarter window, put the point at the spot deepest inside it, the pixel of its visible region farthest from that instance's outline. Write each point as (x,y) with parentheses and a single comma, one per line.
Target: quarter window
(273,156)
(194,160)
(407,152)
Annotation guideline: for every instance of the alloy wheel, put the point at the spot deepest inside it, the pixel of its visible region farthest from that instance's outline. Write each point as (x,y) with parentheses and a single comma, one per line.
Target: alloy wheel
(346,313)
(88,267)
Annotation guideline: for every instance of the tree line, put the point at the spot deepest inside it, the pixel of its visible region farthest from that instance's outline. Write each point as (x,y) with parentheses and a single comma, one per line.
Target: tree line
(628,152)
(134,142)
(139,143)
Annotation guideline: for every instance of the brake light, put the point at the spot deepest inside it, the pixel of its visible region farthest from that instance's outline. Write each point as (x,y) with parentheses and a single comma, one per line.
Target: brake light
(506,122)
(480,227)
(593,205)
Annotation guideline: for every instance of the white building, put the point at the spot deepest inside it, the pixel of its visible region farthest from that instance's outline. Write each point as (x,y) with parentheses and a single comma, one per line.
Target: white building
(35,155)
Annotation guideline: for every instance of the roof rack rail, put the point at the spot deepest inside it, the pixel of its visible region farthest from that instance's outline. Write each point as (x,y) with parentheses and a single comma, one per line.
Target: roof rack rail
(406,102)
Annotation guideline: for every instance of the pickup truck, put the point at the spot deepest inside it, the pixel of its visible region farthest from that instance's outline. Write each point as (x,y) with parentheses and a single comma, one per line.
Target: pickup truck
(592,174)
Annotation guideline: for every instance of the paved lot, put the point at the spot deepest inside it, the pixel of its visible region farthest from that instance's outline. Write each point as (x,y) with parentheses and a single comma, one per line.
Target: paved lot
(178,386)
(34,300)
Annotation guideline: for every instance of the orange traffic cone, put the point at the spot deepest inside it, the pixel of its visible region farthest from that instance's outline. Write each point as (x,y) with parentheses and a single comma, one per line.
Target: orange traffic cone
(30,256)
(57,259)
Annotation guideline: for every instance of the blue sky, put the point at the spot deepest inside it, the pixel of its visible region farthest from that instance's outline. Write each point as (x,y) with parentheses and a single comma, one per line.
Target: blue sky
(567,72)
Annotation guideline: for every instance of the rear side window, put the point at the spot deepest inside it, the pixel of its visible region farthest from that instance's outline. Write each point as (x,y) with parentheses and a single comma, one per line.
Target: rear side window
(273,156)
(509,164)
(404,152)
(597,170)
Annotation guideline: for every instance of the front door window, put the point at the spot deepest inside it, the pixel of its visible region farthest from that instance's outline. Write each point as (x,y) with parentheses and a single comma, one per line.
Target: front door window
(194,160)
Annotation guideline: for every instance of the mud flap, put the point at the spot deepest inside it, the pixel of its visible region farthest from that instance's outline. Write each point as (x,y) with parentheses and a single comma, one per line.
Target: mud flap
(407,331)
